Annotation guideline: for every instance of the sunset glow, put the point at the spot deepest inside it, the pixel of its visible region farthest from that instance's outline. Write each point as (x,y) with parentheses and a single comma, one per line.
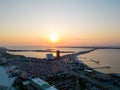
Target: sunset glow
(78,22)
(53,38)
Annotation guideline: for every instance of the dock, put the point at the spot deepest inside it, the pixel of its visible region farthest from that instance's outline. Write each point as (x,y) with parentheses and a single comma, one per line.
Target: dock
(97,62)
(104,67)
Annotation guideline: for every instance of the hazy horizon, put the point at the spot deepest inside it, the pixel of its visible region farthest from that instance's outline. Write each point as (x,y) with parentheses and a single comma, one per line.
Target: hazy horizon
(60,23)
(62,46)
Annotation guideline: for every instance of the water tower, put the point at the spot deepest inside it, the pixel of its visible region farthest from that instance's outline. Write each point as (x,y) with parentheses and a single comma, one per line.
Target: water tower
(57,53)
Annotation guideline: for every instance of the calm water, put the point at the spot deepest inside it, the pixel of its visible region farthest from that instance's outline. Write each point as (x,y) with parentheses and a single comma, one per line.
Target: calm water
(42,54)
(107,57)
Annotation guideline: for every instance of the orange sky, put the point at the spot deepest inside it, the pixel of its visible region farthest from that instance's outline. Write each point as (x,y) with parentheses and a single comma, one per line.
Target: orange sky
(75,23)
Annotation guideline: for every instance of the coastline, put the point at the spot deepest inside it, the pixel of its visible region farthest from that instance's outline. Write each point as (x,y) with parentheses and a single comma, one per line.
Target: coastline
(68,64)
(76,58)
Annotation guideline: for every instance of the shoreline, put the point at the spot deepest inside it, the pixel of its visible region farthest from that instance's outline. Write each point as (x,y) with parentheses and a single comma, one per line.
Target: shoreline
(89,47)
(77,68)
(76,58)
(39,51)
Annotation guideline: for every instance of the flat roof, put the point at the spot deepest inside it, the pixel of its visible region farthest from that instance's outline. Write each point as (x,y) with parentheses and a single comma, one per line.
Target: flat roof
(43,84)
(26,82)
(51,88)
(39,81)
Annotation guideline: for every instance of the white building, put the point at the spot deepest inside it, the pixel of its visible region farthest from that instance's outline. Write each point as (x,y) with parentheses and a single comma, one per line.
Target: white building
(49,56)
(41,84)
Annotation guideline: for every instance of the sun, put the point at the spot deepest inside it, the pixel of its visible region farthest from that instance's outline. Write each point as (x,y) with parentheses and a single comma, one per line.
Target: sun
(53,38)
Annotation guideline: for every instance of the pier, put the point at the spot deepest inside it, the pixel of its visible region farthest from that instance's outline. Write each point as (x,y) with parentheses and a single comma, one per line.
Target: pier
(97,62)
(48,50)
(85,52)
(104,67)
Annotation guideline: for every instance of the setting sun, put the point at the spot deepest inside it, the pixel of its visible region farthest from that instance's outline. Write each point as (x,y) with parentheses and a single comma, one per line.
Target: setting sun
(53,38)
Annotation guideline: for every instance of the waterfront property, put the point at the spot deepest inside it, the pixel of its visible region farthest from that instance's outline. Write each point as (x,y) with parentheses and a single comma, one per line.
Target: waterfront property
(41,84)
(66,73)
(49,57)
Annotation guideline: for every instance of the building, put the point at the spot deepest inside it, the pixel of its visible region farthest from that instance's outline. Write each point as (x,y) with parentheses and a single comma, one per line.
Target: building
(57,53)
(3,50)
(40,84)
(3,60)
(49,56)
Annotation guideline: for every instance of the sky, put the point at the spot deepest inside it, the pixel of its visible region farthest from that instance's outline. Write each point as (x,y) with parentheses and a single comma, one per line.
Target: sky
(73,22)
